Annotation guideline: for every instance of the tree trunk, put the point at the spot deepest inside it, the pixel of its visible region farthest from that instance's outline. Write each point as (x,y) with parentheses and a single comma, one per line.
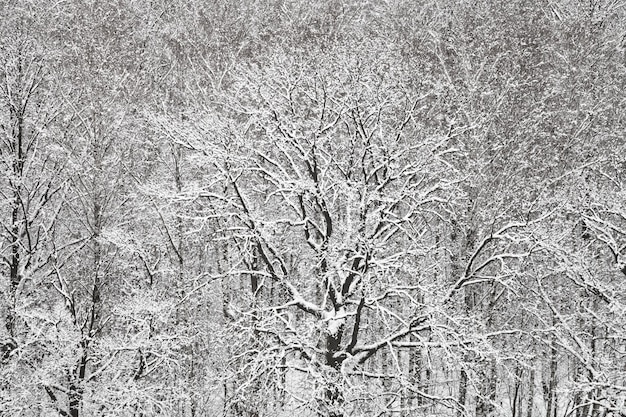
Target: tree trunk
(415,372)
(487,395)
(462,393)
(17,139)
(516,406)
(76,389)
(550,386)
(531,394)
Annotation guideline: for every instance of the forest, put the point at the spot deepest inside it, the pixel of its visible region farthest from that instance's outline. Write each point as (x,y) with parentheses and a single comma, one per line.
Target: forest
(325,208)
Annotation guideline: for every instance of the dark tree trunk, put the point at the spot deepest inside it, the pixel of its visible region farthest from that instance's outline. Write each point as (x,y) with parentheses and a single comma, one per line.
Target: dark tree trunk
(462,392)
(550,386)
(531,394)
(75,395)
(517,395)
(17,132)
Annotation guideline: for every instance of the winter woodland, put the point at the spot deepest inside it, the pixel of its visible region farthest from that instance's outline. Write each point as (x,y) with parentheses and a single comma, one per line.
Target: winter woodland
(313,208)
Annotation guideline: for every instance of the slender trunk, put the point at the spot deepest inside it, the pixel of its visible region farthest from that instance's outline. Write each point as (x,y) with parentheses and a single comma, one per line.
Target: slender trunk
(595,408)
(516,405)
(462,392)
(415,372)
(456,258)
(584,410)
(550,386)
(178,180)
(76,389)
(418,371)
(531,394)
(578,397)
(596,341)
(384,369)
(426,380)
(456,272)
(222,258)
(75,395)
(14,242)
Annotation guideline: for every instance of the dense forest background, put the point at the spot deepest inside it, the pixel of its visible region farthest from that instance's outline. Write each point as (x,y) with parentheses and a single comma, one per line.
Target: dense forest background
(313,208)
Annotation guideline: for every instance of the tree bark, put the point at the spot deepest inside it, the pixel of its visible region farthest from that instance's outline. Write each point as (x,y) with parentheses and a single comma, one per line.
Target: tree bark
(462,392)
(550,386)
(517,395)
(16,112)
(531,394)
